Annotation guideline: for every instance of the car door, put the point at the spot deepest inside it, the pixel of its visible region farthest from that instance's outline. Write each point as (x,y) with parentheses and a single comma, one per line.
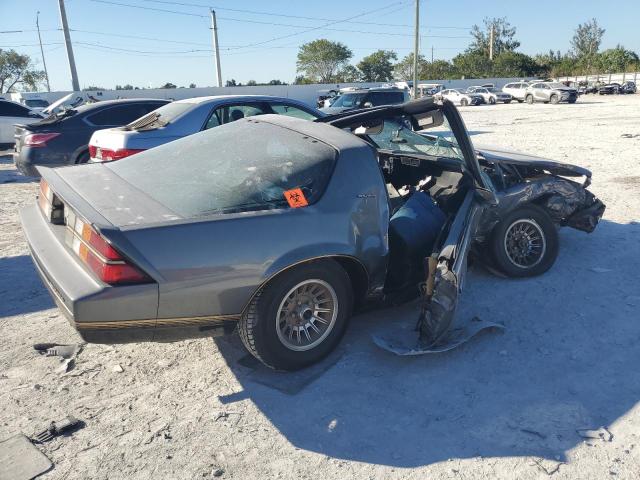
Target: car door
(230,112)
(451,257)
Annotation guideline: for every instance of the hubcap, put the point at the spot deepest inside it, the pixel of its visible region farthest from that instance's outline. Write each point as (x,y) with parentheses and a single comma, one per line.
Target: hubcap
(307,315)
(524,243)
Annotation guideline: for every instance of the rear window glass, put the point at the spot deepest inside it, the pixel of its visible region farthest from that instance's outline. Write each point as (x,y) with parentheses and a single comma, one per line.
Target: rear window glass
(161,116)
(120,114)
(36,103)
(240,166)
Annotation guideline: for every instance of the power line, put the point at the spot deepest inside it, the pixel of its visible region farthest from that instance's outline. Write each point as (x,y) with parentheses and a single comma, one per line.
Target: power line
(255,12)
(150,8)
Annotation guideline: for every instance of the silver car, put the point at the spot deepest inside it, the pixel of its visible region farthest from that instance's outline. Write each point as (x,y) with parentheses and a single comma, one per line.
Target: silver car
(517,90)
(491,95)
(550,92)
(282,227)
(186,117)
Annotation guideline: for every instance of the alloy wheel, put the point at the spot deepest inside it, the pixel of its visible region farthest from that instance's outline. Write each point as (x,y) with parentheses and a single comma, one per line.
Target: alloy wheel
(524,243)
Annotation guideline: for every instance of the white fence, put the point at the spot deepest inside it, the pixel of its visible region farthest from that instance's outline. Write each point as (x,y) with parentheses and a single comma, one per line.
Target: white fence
(305,93)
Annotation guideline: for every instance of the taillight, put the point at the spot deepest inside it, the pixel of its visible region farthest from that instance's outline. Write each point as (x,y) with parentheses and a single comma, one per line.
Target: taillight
(50,205)
(38,139)
(104,260)
(108,155)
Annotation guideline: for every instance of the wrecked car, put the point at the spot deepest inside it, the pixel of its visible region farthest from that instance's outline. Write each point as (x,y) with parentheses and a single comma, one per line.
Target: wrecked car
(281,227)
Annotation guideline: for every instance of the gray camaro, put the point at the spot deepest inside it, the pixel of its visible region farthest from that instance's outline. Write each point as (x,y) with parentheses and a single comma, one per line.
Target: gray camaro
(281,227)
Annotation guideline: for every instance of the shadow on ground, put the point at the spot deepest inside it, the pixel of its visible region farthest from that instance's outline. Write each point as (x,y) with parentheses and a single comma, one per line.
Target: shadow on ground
(564,363)
(21,290)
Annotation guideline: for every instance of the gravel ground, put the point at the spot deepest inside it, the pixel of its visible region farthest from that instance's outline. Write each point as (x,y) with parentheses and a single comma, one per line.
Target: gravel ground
(505,405)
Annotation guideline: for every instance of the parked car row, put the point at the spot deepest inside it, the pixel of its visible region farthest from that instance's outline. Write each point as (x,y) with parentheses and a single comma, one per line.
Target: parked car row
(115,129)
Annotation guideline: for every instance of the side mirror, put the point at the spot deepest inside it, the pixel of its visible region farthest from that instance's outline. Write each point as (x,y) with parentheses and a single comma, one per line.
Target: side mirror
(487,196)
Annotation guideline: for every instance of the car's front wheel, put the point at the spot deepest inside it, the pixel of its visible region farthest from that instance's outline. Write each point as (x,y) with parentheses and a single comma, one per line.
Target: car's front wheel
(525,242)
(554,99)
(464,102)
(529,99)
(299,317)
(492,100)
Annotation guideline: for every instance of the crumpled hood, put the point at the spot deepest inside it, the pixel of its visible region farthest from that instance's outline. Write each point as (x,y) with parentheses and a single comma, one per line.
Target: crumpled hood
(498,155)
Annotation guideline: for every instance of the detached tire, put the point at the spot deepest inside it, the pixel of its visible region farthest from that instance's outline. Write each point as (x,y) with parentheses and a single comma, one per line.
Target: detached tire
(525,242)
(299,317)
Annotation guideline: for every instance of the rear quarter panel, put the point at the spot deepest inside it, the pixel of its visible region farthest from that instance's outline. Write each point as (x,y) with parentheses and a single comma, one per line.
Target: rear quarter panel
(214,266)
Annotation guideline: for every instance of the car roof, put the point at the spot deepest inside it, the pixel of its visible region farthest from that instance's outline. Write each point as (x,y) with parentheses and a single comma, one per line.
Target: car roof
(336,137)
(121,101)
(214,98)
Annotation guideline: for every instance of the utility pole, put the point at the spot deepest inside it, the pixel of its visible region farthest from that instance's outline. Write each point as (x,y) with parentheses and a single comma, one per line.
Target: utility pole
(416,50)
(431,53)
(67,41)
(46,74)
(491,40)
(216,48)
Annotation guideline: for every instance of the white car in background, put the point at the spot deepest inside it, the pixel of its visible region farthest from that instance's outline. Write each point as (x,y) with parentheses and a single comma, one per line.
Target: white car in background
(517,90)
(491,95)
(460,97)
(10,114)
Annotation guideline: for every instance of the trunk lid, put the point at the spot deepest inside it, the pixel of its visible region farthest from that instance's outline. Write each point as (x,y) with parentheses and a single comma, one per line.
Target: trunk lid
(103,198)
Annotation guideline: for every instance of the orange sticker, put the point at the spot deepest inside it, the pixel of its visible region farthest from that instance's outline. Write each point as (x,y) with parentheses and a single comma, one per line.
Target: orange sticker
(296,198)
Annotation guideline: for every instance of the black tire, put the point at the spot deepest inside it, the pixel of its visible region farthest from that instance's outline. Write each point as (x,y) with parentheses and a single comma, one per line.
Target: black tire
(507,101)
(464,102)
(531,216)
(258,329)
(572,100)
(492,101)
(529,99)
(520,101)
(83,157)
(554,99)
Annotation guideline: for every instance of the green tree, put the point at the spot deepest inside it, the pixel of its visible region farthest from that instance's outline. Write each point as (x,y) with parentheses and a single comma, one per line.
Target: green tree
(515,64)
(587,39)
(348,74)
(231,83)
(377,67)
(503,36)
(91,88)
(17,70)
(403,70)
(168,85)
(192,85)
(440,70)
(616,60)
(276,82)
(322,59)
(473,64)
(252,83)
(302,80)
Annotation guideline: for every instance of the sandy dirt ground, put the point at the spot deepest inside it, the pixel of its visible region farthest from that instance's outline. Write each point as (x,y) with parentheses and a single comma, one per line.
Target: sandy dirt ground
(505,405)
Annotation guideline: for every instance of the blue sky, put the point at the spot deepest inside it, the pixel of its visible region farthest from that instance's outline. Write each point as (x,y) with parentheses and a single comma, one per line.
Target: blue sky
(177,47)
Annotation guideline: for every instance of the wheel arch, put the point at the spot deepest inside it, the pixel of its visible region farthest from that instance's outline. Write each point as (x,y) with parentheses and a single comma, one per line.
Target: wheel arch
(354,268)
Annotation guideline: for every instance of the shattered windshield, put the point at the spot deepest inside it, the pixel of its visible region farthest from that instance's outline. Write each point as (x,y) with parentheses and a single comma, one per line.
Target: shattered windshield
(438,141)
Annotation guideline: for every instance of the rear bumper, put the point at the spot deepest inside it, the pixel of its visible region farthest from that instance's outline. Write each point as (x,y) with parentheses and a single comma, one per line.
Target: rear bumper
(95,309)
(27,159)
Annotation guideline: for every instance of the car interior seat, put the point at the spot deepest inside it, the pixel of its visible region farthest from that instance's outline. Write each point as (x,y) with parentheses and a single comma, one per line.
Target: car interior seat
(448,189)
(236,114)
(413,230)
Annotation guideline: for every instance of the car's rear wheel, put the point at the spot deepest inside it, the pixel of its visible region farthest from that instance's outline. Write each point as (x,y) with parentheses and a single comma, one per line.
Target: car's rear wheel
(299,317)
(492,100)
(529,99)
(554,99)
(520,101)
(525,242)
(464,102)
(83,157)
(507,101)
